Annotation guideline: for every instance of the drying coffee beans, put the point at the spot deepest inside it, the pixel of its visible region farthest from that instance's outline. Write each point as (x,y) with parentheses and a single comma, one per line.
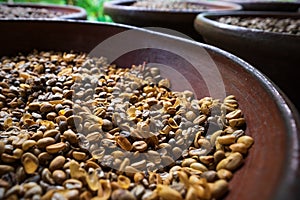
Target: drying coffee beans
(75,127)
(269,24)
(12,12)
(169,5)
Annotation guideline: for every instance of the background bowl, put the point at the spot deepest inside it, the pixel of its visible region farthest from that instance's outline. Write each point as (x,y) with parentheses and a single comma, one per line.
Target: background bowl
(271,170)
(275,54)
(122,11)
(268,5)
(70,12)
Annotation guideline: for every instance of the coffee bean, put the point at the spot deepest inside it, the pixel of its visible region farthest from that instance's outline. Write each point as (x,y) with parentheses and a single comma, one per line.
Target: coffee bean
(46,107)
(57,163)
(30,162)
(59,176)
(55,148)
(44,142)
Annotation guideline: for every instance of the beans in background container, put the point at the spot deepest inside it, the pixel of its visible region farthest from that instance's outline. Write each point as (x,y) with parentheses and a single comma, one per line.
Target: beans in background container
(12,12)
(269,24)
(169,5)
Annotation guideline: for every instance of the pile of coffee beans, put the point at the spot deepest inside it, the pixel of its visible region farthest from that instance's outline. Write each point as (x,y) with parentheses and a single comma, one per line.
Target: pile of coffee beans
(13,12)
(75,127)
(169,5)
(269,24)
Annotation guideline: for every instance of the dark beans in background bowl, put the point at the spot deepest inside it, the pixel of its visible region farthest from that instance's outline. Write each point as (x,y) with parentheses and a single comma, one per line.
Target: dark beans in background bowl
(173,15)
(45,11)
(268,5)
(7,12)
(269,24)
(170,5)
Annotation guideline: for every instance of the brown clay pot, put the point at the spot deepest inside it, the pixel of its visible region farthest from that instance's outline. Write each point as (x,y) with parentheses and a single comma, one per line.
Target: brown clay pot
(271,169)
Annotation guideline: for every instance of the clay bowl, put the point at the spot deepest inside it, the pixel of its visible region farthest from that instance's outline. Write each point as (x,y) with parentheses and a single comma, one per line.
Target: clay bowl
(268,5)
(275,54)
(70,12)
(122,11)
(271,169)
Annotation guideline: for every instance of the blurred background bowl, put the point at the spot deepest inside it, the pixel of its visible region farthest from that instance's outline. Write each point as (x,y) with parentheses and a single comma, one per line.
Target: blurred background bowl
(271,169)
(275,54)
(122,11)
(268,5)
(69,11)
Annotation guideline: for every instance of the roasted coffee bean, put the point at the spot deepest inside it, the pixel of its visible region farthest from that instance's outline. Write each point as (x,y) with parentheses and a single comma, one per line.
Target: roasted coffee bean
(124,143)
(55,148)
(166,192)
(44,142)
(218,188)
(224,174)
(28,144)
(239,147)
(57,163)
(46,107)
(198,166)
(70,136)
(59,176)
(232,162)
(44,157)
(51,133)
(30,163)
(34,106)
(246,140)
(226,139)
(79,155)
(187,162)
